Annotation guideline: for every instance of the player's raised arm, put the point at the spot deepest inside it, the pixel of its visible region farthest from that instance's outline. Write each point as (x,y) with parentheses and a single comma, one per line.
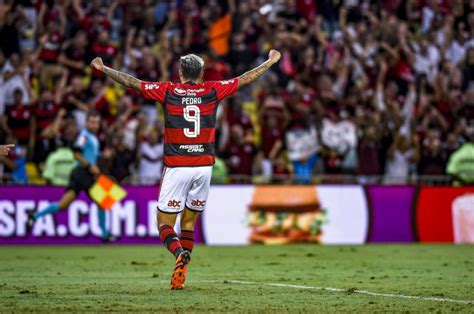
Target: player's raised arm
(252,75)
(119,77)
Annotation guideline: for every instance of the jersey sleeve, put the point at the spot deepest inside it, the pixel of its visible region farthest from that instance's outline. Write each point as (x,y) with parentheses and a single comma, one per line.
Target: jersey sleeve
(154,90)
(224,88)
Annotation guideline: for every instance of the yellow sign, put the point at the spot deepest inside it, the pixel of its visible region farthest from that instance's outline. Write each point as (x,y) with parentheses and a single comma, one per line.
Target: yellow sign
(106,192)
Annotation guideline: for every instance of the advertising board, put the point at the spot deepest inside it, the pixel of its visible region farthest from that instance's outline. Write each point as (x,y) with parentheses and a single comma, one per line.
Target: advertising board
(391,216)
(133,220)
(286,214)
(445,214)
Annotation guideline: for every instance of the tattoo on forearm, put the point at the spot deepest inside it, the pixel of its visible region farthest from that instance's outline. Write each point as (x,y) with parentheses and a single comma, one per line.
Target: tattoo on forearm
(252,75)
(123,78)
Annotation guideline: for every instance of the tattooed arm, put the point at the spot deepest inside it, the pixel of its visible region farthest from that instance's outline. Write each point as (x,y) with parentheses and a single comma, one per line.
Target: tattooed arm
(119,77)
(254,74)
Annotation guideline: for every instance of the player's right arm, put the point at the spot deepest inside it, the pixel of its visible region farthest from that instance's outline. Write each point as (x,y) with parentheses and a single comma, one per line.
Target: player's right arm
(119,77)
(254,74)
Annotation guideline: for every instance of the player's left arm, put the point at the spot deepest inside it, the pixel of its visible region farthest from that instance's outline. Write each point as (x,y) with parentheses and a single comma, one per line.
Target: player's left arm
(254,74)
(119,77)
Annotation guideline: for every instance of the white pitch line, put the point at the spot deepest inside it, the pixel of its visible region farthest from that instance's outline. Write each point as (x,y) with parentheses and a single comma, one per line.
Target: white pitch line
(388,295)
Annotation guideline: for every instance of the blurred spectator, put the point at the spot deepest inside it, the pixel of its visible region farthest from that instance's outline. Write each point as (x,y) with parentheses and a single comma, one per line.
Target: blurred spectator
(104,49)
(10,24)
(461,164)
(451,144)
(14,78)
(15,162)
(432,159)
(94,17)
(281,170)
(75,101)
(339,136)
(49,49)
(18,121)
(219,29)
(121,157)
(272,144)
(333,161)
(240,155)
(468,69)
(403,152)
(99,102)
(150,156)
(59,165)
(73,54)
(369,153)
(219,172)
(45,110)
(236,115)
(303,149)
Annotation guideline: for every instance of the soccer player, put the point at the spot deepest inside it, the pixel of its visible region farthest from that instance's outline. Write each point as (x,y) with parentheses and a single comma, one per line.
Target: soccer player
(190,118)
(86,152)
(5,149)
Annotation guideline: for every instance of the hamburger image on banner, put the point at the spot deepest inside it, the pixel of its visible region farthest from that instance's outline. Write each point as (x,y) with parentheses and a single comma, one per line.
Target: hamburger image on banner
(327,214)
(285,214)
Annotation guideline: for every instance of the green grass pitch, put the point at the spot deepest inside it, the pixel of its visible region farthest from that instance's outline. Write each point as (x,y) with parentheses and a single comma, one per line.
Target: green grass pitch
(136,279)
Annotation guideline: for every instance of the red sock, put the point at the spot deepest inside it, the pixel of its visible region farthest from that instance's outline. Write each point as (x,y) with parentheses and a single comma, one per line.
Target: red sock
(170,240)
(187,239)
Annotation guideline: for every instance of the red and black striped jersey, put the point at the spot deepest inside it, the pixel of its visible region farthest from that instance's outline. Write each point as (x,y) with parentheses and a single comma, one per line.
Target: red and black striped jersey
(190,119)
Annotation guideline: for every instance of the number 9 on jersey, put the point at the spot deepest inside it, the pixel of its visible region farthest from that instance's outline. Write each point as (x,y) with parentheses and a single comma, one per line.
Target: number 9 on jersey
(192,114)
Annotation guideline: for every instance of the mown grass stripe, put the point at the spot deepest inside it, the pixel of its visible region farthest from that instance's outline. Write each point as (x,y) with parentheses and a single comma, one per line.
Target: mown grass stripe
(378,294)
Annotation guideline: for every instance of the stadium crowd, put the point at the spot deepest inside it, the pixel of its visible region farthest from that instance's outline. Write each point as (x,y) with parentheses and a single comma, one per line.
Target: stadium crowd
(363,88)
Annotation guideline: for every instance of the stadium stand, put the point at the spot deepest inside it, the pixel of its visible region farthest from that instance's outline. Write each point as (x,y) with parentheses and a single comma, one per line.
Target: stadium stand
(366,91)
